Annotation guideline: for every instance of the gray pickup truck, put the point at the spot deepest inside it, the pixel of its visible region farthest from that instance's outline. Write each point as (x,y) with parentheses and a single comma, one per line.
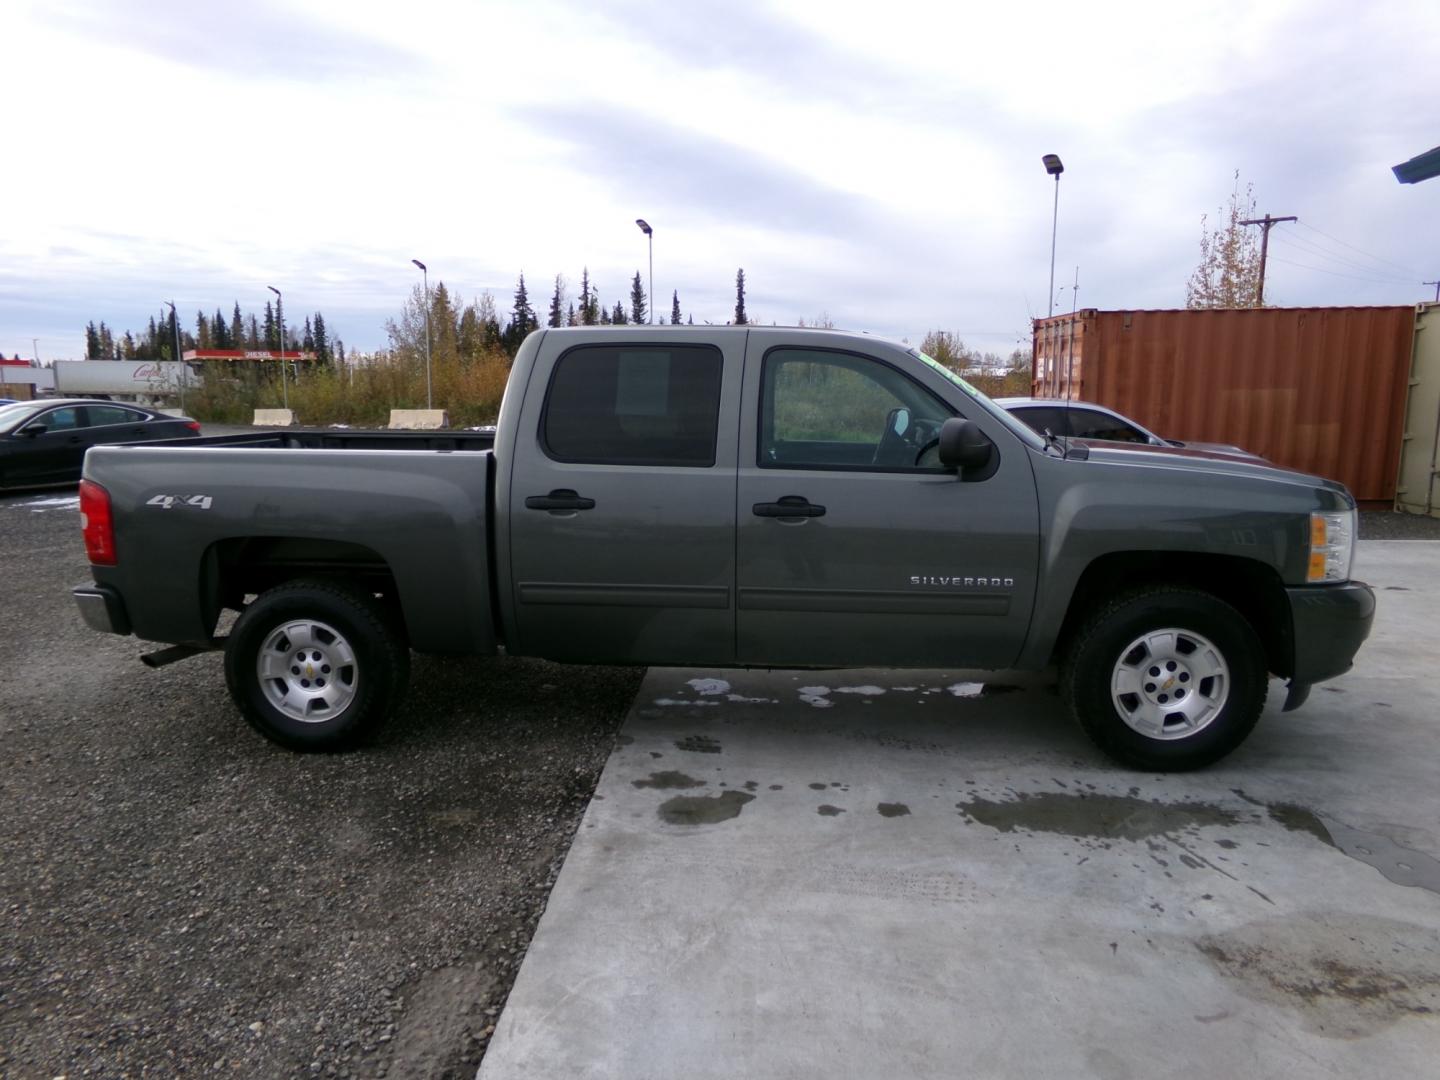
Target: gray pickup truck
(732,496)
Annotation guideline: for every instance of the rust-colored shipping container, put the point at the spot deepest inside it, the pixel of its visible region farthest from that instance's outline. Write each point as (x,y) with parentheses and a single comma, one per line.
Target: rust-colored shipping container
(1316,389)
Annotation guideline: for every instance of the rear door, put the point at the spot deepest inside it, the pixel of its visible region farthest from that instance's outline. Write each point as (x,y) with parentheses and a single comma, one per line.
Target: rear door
(622,501)
(116,424)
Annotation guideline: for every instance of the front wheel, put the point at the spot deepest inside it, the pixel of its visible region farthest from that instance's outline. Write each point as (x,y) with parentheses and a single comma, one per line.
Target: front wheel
(1166,679)
(315,666)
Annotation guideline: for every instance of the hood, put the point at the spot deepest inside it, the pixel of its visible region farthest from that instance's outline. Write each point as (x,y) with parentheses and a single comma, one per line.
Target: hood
(1194,458)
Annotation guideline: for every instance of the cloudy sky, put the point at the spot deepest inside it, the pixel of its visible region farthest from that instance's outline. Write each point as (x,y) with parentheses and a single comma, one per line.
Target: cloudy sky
(876,162)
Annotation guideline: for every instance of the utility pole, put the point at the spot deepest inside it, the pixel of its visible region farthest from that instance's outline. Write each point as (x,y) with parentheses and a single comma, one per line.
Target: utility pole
(1437,289)
(1266,224)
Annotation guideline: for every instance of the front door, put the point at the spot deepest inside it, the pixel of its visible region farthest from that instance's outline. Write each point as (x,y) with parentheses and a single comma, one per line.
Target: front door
(622,503)
(53,456)
(854,546)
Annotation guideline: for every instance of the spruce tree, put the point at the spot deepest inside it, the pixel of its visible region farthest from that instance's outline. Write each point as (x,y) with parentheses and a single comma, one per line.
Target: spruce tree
(237,328)
(740,319)
(587,310)
(307,343)
(617,317)
(605,316)
(557,303)
(522,319)
(675,308)
(252,335)
(108,348)
(271,337)
(322,340)
(92,341)
(570,316)
(639,309)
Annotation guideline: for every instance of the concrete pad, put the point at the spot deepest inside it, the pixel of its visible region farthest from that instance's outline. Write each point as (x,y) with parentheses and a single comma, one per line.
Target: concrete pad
(927,874)
(419,419)
(274,418)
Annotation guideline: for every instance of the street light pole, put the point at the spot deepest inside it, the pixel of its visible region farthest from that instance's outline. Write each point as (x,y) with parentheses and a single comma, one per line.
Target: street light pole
(280,318)
(175,324)
(650,237)
(1054,168)
(425,275)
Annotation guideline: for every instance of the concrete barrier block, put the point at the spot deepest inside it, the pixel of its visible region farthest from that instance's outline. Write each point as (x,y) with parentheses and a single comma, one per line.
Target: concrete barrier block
(419,419)
(274,418)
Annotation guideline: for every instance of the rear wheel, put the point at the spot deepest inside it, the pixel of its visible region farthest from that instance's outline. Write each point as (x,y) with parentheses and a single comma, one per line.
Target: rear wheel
(1166,679)
(316,666)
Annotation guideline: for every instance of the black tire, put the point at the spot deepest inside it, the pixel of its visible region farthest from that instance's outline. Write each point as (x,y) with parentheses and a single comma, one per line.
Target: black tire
(358,695)
(1103,646)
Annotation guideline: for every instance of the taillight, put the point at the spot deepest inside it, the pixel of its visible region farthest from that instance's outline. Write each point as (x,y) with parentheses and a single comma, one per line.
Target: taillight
(193,425)
(96,523)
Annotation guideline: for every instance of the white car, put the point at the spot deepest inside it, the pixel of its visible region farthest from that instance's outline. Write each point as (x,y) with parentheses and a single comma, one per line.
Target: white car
(1086,420)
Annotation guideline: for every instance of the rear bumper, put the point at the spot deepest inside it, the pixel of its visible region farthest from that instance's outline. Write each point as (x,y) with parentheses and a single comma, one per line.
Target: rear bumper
(102,609)
(1331,622)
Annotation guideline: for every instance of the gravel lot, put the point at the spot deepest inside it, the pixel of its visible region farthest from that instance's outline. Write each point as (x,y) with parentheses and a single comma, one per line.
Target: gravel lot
(181,898)
(1388,525)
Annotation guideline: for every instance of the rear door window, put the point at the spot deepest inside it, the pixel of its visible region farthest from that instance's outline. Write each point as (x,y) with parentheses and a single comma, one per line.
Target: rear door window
(634,405)
(102,415)
(1093,424)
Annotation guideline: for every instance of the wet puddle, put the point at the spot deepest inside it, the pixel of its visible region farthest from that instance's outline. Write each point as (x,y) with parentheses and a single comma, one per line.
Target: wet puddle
(703,809)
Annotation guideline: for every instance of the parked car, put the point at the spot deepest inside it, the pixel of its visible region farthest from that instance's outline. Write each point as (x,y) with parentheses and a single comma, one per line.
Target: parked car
(1086,420)
(43,443)
(732,496)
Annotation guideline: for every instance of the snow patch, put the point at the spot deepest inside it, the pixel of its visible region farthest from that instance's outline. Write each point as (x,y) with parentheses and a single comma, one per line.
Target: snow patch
(966,689)
(751,700)
(709,687)
(815,695)
(867,691)
(54,502)
(677,701)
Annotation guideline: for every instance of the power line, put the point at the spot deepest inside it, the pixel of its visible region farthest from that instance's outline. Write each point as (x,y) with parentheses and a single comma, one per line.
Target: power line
(1337,273)
(1407,269)
(1313,249)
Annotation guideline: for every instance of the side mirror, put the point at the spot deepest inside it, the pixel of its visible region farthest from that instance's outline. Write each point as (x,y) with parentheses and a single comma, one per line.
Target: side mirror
(963,445)
(31,430)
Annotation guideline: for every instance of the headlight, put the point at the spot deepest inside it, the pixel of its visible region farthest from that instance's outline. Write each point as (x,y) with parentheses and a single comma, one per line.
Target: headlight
(1332,545)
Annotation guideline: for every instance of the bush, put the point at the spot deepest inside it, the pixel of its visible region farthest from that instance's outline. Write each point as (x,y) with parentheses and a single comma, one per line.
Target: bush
(359,394)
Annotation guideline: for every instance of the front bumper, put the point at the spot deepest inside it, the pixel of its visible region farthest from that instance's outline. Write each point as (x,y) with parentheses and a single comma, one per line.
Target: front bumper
(1331,622)
(102,609)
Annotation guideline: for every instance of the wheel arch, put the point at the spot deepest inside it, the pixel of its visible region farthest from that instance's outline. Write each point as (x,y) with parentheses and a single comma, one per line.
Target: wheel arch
(1251,587)
(237,567)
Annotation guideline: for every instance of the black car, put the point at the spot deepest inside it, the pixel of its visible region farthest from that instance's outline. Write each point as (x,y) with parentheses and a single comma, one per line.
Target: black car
(44,442)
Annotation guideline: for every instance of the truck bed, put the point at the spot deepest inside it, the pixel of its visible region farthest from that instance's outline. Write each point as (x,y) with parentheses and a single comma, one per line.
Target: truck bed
(352,439)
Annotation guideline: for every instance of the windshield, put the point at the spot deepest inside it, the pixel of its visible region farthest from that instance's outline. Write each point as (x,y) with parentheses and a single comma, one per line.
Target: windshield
(981,399)
(12,416)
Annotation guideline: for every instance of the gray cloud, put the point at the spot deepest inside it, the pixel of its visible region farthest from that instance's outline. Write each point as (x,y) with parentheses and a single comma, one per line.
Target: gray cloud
(260,39)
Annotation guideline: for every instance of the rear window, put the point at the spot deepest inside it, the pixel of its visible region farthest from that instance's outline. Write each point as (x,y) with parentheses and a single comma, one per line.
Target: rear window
(634,405)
